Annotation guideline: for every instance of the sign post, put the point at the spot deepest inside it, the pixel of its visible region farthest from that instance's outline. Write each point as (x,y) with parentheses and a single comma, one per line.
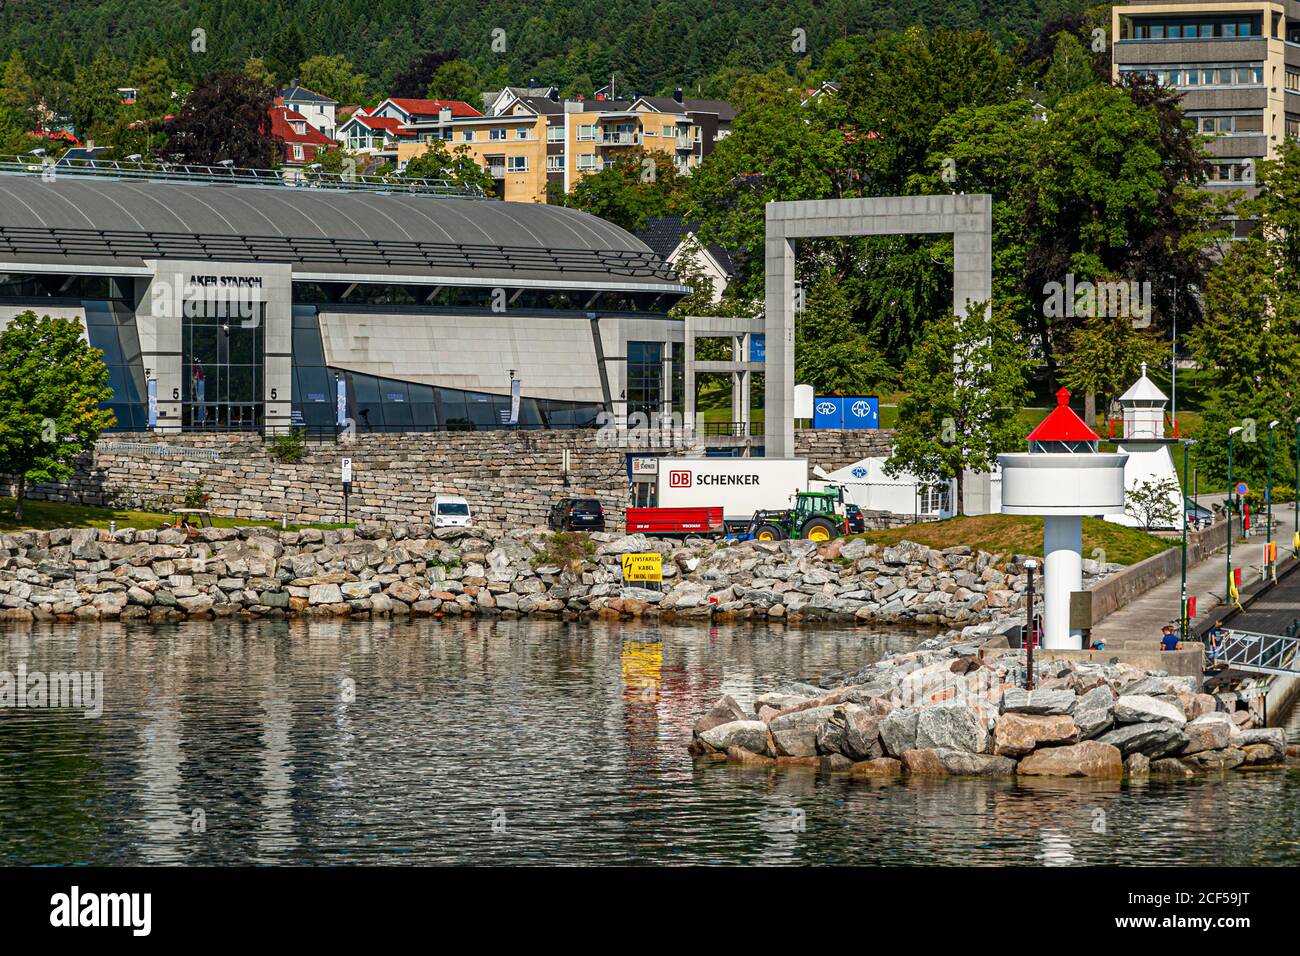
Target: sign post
(643,568)
(347,486)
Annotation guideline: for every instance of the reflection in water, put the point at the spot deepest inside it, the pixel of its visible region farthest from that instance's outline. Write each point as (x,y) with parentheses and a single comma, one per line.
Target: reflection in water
(538,742)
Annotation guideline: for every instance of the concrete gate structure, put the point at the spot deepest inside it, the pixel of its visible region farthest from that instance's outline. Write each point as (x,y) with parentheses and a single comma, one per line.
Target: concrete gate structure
(969,219)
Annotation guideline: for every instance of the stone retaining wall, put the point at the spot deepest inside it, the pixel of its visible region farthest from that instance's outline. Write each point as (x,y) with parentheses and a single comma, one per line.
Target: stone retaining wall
(510,477)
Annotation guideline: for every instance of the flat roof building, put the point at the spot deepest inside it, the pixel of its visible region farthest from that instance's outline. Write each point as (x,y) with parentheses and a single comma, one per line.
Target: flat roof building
(251,307)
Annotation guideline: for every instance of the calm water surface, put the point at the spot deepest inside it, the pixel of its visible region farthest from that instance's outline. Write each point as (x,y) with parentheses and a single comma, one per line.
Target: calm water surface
(523,742)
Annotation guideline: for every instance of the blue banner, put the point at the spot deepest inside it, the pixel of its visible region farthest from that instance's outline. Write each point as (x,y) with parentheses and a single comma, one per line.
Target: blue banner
(861,413)
(828,412)
(153,403)
(758,348)
(341,403)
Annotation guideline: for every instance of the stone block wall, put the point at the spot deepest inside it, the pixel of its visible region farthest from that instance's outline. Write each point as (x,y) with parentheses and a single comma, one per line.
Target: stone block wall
(511,478)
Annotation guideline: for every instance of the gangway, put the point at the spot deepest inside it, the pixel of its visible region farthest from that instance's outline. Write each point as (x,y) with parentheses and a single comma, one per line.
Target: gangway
(1260,653)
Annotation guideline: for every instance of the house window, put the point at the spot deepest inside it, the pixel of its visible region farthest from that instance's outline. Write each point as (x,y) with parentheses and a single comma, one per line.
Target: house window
(496,134)
(587,162)
(467,136)
(586,133)
(297,150)
(555,164)
(521,132)
(555,134)
(669,131)
(517,164)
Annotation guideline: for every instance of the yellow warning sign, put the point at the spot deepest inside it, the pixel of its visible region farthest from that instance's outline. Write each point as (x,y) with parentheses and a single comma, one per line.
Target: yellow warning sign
(643,567)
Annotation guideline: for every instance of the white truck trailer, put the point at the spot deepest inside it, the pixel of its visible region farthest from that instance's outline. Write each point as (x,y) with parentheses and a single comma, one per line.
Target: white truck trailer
(740,486)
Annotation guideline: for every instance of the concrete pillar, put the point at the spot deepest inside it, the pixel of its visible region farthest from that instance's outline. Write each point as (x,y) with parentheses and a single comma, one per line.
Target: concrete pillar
(1062,575)
(778,327)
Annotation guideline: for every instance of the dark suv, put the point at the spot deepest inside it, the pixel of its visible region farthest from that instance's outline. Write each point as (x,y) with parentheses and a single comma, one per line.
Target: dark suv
(576,514)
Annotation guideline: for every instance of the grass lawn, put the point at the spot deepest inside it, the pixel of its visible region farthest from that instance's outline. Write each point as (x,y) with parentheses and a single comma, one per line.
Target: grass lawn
(1016,534)
(43,515)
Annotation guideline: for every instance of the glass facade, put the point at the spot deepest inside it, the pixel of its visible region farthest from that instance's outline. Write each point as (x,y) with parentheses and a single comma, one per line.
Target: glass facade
(377,404)
(645,377)
(110,327)
(222,367)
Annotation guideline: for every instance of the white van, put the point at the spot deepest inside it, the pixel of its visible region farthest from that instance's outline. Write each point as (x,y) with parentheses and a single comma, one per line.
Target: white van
(451,511)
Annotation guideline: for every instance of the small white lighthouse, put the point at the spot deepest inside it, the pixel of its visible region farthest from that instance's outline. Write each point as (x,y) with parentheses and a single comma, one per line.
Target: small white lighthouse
(1144,441)
(1063,478)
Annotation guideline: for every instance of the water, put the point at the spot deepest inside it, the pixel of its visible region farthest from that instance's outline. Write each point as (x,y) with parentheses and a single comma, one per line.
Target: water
(523,742)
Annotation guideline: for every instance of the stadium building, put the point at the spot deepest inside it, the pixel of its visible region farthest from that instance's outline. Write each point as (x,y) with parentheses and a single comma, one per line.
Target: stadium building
(242,303)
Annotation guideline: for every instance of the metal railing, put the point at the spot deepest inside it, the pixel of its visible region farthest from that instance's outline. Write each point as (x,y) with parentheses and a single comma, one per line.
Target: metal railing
(289,177)
(620,139)
(1260,653)
(731,429)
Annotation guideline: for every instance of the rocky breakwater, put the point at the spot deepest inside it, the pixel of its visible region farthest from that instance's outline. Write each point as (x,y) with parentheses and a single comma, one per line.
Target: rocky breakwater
(953,711)
(374,570)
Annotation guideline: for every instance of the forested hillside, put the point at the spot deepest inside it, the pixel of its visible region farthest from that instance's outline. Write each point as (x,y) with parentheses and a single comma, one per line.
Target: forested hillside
(651,45)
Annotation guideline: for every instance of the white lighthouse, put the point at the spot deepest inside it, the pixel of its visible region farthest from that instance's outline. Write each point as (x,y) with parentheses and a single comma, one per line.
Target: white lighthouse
(1065,479)
(1149,461)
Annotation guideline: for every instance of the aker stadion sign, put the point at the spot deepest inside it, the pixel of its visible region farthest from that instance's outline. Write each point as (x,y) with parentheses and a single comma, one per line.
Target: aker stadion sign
(643,567)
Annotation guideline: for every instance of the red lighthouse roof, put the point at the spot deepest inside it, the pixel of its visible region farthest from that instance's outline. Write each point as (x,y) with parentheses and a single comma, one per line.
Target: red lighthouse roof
(1063,425)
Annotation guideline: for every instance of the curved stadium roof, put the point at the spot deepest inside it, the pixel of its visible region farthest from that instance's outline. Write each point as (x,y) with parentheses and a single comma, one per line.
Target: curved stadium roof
(72,221)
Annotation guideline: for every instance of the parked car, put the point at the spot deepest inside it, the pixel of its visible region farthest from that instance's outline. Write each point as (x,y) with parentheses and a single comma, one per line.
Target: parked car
(576,514)
(856,519)
(451,511)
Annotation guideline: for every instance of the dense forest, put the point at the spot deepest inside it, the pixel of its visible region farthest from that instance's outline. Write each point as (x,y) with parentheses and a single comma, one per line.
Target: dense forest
(651,46)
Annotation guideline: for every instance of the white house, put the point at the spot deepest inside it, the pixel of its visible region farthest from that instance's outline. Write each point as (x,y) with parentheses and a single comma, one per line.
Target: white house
(318,110)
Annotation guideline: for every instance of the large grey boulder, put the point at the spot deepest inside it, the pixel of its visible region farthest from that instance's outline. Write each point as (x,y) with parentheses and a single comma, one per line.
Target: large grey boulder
(795,733)
(1048,702)
(929,761)
(861,738)
(1144,709)
(898,731)
(725,711)
(750,735)
(1208,732)
(1155,740)
(951,726)
(1094,713)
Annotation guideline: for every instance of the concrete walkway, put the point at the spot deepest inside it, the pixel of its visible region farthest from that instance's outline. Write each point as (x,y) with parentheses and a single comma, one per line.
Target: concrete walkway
(1207,581)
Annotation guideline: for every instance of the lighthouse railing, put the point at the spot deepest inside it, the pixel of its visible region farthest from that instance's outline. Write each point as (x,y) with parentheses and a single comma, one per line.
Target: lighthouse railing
(1136,428)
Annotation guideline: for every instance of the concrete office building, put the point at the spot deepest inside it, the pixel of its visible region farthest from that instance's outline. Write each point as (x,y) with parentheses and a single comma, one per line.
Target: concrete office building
(1236,64)
(248,305)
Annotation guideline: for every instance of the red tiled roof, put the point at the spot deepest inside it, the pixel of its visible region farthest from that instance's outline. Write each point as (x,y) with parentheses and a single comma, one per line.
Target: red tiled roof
(282,120)
(434,107)
(1063,424)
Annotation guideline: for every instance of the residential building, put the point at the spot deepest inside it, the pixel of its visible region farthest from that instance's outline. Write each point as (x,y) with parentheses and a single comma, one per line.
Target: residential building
(1237,66)
(319,110)
(676,240)
(381,130)
(300,142)
(530,142)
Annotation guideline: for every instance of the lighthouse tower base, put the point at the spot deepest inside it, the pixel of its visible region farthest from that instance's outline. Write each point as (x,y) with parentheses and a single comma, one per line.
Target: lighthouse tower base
(1062,575)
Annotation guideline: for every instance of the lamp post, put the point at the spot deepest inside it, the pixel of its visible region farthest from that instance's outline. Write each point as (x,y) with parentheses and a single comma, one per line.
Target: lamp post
(1295,501)
(1173,354)
(1269,567)
(1182,614)
(1232,432)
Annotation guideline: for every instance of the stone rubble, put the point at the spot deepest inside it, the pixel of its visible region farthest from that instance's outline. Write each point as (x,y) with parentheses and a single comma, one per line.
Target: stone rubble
(377,570)
(955,708)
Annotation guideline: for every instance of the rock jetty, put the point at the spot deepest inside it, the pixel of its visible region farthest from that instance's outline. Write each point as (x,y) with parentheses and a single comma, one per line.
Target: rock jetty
(378,570)
(960,710)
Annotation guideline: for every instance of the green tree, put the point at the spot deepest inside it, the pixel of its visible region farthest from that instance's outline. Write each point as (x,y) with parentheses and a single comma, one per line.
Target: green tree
(1070,71)
(437,162)
(332,76)
(830,353)
(456,80)
(1104,355)
(967,377)
(95,99)
(18,98)
(260,70)
(154,85)
(629,190)
(51,385)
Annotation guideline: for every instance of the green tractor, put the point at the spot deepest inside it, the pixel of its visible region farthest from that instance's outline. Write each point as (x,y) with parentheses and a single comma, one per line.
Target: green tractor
(815,517)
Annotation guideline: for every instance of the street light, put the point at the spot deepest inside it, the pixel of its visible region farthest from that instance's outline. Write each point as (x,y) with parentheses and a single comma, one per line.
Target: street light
(1231,434)
(1182,629)
(1295,500)
(1270,568)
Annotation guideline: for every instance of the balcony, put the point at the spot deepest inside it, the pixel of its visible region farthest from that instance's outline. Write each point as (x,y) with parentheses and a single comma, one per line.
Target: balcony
(620,138)
(497,170)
